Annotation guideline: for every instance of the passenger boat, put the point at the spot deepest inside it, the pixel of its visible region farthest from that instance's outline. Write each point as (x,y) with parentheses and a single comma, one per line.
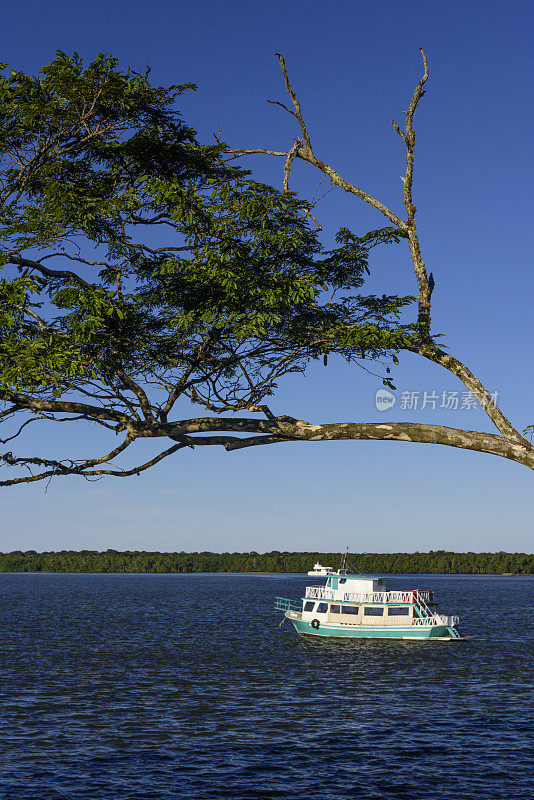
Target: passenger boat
(352,605)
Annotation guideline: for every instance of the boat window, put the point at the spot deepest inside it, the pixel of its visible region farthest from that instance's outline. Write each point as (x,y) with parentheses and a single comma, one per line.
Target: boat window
(398,611)
(335,609)
(308,606)
(349,609)
(342,580)
(373,611)
(322,608)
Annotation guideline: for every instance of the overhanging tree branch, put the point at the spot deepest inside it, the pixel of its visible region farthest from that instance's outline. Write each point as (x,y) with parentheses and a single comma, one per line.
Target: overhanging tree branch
(243,294)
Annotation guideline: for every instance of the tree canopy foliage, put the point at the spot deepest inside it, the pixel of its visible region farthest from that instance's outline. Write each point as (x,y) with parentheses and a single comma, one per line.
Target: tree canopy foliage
(140,267)
(439,561)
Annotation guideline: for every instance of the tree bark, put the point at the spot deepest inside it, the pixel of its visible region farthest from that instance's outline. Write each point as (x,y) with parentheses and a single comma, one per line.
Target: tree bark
(286,429)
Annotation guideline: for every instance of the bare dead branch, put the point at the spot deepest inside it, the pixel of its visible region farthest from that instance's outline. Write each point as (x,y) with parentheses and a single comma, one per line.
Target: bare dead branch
(401,133)
(418,93)
(316,199)
(408,137)
(337,180)
(318,224)
(298,113)
(278,103)
(306,153)
(287,166)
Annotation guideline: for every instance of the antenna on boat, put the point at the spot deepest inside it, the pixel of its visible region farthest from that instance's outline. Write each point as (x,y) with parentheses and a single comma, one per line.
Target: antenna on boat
(343,565)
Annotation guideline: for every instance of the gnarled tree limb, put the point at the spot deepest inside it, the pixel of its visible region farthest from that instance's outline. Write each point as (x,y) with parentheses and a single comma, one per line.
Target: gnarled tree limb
(426,346)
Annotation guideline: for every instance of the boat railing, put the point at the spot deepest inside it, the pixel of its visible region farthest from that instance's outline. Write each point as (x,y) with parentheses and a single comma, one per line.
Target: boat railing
(284,604)
(409,596)
(319,592)
(436,619)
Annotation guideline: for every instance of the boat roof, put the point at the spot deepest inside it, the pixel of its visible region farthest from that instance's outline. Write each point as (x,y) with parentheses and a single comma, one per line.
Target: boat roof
(359,576)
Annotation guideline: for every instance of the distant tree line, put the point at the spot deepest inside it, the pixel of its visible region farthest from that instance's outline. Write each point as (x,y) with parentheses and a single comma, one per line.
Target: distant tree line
(435,561)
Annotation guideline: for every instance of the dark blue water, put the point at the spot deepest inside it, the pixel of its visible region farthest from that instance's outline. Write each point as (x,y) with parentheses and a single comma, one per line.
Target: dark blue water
(182,686)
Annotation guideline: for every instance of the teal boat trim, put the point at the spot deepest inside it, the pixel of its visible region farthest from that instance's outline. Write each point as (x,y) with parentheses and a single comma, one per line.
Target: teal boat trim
(327,630)
(284,604)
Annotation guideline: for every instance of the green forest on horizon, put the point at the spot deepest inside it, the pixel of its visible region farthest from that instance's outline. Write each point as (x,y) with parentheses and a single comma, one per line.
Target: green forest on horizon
(134,561)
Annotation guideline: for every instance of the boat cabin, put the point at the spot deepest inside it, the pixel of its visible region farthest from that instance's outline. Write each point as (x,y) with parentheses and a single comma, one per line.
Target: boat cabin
(349,599)
(340,585)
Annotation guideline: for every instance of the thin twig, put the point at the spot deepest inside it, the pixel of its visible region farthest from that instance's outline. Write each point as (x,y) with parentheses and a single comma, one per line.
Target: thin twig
(298,113)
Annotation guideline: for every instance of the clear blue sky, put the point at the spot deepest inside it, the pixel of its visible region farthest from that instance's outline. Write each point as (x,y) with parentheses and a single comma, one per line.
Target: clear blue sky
(354,65)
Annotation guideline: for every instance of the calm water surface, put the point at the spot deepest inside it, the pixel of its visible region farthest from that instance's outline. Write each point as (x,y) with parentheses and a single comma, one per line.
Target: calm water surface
(182,686)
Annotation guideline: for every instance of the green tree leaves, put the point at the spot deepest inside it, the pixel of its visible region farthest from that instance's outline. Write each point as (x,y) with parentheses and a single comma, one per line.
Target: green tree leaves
(97,164)
(137,266)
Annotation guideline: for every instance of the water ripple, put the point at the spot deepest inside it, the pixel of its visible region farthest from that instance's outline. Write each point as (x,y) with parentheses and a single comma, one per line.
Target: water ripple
(182,686)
